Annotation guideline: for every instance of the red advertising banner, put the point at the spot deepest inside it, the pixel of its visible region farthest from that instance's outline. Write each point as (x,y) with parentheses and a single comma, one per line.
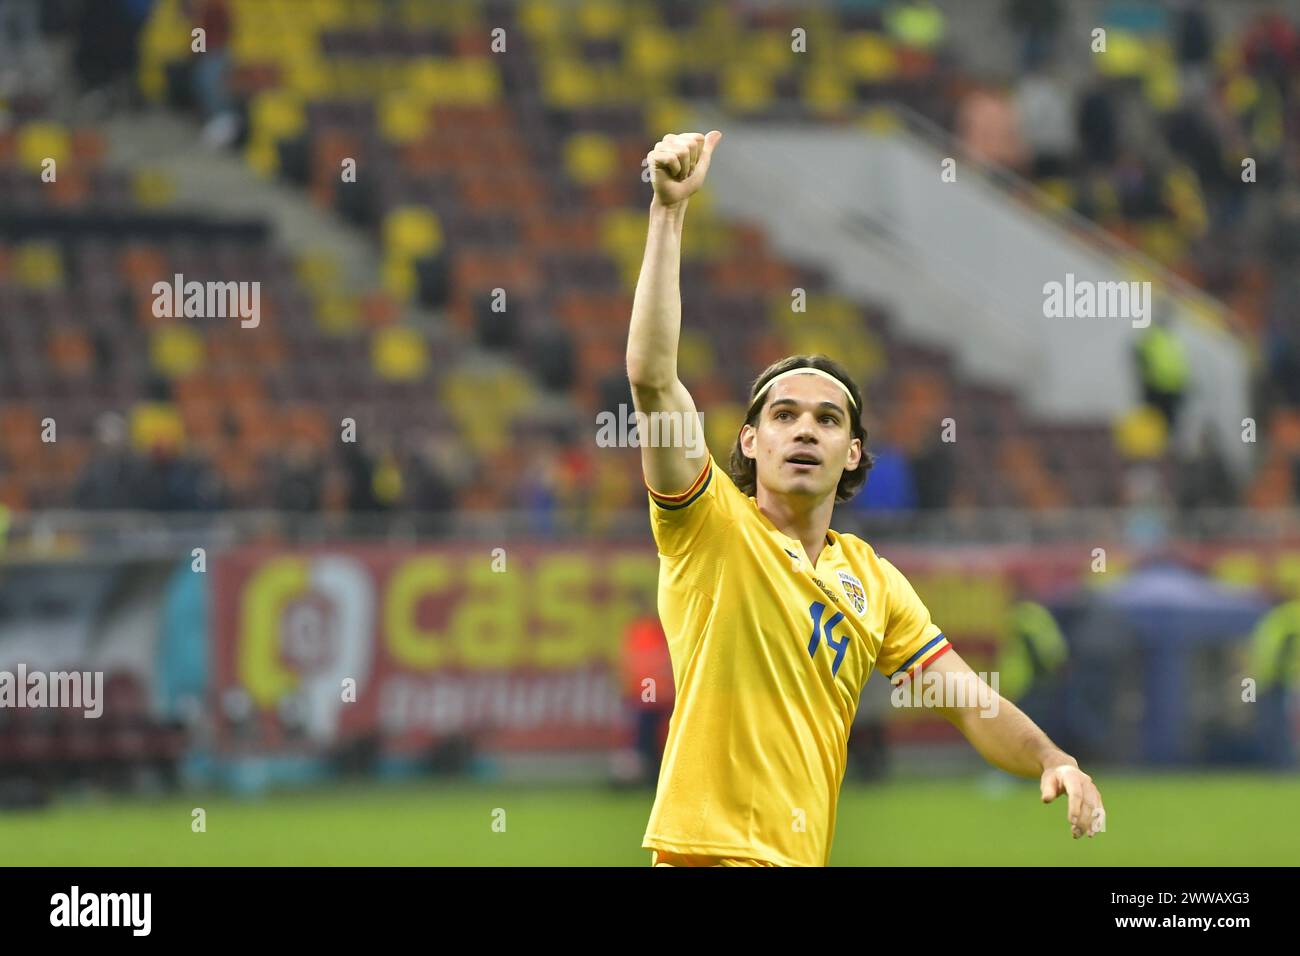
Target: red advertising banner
(519,648)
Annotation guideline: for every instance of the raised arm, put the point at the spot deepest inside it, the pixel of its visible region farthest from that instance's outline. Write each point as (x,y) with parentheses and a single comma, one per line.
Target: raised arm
(678,165)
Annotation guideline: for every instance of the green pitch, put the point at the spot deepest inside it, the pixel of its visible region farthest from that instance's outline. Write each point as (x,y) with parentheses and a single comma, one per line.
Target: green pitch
(1176,820)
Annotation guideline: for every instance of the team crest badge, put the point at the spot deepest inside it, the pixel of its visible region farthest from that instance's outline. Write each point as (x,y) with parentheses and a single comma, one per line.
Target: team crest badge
(854,591)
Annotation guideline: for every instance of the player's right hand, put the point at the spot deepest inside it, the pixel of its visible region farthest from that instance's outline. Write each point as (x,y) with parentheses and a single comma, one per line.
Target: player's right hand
(678,164)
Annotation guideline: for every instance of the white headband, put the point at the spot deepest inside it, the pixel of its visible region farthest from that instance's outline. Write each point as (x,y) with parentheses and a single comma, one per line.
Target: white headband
(807,371)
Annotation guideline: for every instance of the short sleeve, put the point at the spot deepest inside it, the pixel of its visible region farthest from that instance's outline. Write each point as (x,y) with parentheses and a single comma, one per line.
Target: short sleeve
(911,640)
(687,520)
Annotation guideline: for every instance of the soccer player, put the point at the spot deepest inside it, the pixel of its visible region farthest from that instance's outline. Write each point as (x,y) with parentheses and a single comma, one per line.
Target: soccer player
(774,621)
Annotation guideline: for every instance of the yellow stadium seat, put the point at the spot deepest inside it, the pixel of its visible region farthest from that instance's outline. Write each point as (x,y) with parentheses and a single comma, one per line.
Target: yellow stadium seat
(825,91)
(601,19)
(399,278)
(1141,434)
(153,188)
(38,265)
(411,231)
(478,81)
(419,13)
(746,89)
(41,140)
(651,52)
(569,83)
(869,56)
(770,51)
(277,114)
(317,270)
(156,423)
(485,425)
(403,117)
(542,18)
(470,82)
(176,350)
(338,314)
(590,158)
(399,354)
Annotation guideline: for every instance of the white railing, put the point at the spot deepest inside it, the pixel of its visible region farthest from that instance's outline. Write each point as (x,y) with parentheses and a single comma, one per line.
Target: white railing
(54,535)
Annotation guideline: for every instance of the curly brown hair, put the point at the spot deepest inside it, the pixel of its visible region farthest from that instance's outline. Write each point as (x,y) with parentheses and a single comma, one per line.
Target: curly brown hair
(744,470)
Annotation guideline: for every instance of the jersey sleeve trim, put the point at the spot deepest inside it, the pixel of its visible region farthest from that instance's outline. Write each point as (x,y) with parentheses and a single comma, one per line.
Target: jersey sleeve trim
(679,501)
(931,652)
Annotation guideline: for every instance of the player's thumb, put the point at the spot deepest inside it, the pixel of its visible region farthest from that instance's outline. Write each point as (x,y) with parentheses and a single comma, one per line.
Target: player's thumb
(1051,787)
(706,154)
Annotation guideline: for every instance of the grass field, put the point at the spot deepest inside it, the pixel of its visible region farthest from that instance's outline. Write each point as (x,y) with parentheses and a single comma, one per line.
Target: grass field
(1168,820)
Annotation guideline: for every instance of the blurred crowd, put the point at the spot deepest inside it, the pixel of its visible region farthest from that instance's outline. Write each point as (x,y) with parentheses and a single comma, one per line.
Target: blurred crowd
(1148,141)
(1155,140)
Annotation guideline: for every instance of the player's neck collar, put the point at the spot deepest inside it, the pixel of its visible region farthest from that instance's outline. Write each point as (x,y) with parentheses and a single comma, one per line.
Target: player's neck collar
(832,536)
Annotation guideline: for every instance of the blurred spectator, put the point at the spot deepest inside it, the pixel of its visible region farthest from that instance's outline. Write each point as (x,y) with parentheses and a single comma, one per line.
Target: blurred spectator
(1193,137)
(1194,42)
(1146,499)
(648,693)
(1204,479)
(1037,23)
(1282,349)
(1044,110)
(170,481)
(212,71)
(1275,665)
(538,489)
(298,478)
(918,24)
(359,467)
(388,481)
(108,479)
(932,472)
(554,359)
(890,486)
(1032,655)
(106,46)
(432,487)
(989,128)
(19,31)
(1269,48)
(1098,125)
(1162,369)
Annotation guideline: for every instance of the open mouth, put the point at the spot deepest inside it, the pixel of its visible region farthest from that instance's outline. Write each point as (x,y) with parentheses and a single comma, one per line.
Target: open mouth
(804,459)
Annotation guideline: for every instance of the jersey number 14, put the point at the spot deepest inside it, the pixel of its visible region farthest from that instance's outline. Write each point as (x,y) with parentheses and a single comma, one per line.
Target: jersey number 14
(816,609)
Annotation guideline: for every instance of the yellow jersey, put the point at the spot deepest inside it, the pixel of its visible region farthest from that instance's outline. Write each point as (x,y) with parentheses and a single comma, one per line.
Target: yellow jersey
(769,656)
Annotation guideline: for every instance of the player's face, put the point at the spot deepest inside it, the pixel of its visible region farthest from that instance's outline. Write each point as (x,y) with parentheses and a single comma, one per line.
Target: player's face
(803,441)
